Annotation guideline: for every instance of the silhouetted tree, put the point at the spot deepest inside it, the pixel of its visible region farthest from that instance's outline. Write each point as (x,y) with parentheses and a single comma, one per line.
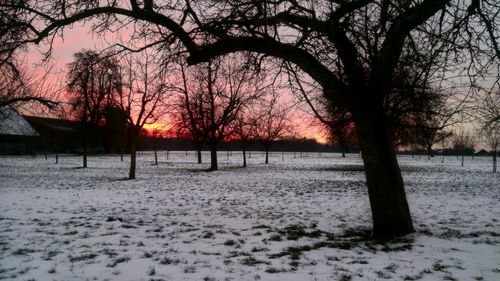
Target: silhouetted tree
(144,97)
(245,130)
(213,95)
(463,142)
(92,82)
(488,110)
(273,122)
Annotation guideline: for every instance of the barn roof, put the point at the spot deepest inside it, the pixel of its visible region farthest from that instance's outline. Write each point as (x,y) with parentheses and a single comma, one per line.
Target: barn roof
(12,123)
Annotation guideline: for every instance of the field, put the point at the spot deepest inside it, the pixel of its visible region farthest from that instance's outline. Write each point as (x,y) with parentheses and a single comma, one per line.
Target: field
(298,219)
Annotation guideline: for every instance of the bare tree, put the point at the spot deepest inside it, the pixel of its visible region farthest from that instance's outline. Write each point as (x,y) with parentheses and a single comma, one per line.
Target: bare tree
(349,48)
(463,142)
(92,82)
(213,95)
(489,117)
(245,130)
(273,122)
(144,97)
(188,114)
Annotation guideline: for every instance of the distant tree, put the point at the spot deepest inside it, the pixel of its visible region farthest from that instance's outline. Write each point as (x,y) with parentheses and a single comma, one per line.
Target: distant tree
(488,110)
(189,112)
(274,121)
(492,137)
(245,130)
(213,95)
(117,127)
(145,95)
(342,131)
(427,137)
(92,82)
(462,142)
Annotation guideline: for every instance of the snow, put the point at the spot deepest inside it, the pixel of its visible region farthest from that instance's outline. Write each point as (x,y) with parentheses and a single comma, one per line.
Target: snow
(301,219)
(12,123)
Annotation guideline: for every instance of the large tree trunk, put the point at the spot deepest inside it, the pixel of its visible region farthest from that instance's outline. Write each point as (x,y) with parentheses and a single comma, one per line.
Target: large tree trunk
(389,207)
(430,152)
(133,154)
(213,157)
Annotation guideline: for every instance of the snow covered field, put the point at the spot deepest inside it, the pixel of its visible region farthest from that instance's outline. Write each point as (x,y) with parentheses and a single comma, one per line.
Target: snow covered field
(301,219)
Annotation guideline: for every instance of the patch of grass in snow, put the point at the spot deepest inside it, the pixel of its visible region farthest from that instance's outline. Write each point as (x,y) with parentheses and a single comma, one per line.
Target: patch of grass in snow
(208,234)
(50,254)
(296,231)
(23,252)
(72,232)
(83,257)
(274,270)
(345,277)
(118,260)
(167,261)
(149,254)
(233,254)
(275,237)
(230,242)
(358,260)
(109,252)
(383,274)
(251,261)
(190,269)
(151,270)
(438,266)
(261,226)
(256,249)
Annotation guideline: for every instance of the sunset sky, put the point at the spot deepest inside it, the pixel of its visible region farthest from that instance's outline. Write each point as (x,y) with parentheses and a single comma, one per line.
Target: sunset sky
(80,37)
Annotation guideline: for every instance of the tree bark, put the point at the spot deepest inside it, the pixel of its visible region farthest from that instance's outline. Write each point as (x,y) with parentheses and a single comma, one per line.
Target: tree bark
(244,158)
(389,207)
(85,153)
(213,158)
(198,151)
(133,156)
(267,154)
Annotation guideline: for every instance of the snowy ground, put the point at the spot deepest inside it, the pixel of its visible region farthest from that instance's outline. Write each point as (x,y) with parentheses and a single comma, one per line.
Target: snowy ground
(301,219)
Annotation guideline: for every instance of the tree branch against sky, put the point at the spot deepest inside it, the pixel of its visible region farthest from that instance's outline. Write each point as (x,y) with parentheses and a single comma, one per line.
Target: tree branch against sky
(145,94)
(351,49)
